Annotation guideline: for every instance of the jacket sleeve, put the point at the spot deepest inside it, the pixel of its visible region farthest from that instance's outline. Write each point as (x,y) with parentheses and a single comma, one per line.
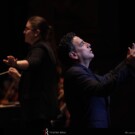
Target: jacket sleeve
(94,85)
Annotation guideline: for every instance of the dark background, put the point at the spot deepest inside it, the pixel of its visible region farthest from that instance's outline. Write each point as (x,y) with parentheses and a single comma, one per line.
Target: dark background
(108,25)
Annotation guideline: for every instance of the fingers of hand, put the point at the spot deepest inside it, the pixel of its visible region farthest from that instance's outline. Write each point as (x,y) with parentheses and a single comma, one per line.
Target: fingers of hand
(133,45)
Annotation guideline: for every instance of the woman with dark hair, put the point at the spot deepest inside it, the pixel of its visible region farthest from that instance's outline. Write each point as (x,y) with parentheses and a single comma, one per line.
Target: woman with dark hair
(38,82)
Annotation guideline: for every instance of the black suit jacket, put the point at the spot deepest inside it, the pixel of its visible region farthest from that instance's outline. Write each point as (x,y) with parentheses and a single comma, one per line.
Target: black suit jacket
(87,94)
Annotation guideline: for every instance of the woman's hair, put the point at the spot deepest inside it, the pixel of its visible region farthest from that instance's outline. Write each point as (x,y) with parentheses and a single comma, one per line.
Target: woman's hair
(46,31)
(38,22)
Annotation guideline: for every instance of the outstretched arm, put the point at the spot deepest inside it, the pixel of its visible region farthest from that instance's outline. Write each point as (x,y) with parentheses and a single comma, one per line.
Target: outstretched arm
(13,62)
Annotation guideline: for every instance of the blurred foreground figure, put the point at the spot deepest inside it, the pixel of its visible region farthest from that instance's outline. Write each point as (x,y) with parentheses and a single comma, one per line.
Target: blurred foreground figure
(38,79)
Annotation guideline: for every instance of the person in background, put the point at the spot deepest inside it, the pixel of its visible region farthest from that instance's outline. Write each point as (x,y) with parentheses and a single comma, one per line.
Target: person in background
(63,118)
(86,93)
(10,88)
(39,77)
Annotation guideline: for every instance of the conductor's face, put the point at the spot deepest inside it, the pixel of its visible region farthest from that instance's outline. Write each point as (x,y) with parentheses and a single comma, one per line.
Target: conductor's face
(82,49)
(29,33)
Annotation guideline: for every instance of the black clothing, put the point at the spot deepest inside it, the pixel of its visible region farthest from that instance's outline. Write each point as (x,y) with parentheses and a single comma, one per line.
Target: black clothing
(38,85)
(87,94)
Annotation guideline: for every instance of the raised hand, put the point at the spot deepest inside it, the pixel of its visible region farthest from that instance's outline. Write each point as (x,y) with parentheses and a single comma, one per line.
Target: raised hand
(14,73)
(11,61)
(131,55)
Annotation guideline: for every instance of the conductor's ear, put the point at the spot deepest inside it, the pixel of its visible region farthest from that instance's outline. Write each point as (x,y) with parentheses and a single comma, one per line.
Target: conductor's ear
(73,55)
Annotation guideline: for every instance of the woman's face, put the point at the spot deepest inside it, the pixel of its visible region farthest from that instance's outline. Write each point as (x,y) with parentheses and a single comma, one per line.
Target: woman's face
(29,33)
